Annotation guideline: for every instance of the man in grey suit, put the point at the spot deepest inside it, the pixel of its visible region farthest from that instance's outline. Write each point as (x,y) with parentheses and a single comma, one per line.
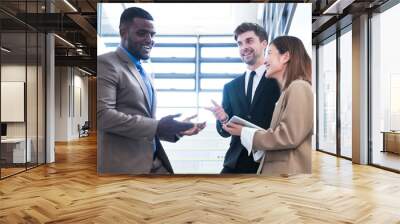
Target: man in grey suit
(129,135)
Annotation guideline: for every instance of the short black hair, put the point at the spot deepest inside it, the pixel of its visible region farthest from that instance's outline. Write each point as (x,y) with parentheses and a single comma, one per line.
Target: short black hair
(258,30)
(130,13)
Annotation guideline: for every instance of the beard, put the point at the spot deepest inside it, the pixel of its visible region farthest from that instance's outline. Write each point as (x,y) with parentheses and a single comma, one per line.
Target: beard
(251,58)
(251,61)
(138,51)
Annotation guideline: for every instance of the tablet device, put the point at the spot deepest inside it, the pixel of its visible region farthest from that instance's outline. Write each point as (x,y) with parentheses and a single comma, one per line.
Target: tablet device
(241,121)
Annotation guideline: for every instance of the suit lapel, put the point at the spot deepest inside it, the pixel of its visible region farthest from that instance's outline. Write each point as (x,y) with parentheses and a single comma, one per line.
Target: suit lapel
(259,91)
(154,105)
(241,92)
(138,77)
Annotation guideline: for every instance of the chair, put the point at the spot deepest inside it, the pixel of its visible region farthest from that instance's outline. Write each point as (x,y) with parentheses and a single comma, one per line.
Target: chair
(84,130)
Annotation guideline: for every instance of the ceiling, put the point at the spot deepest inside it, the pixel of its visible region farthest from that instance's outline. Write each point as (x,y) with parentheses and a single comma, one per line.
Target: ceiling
(331,15)
(76,20)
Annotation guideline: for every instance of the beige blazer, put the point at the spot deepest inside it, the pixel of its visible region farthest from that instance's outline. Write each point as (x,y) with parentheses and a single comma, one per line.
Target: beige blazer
(126,123)
(287,143)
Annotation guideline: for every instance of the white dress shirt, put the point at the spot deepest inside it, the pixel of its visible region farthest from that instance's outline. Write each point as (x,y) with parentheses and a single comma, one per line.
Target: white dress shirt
(248,133)
(246,137)
(257,78)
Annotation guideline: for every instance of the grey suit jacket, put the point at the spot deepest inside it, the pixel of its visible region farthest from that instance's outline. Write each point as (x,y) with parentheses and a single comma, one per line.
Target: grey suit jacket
(126,124)
(287,143)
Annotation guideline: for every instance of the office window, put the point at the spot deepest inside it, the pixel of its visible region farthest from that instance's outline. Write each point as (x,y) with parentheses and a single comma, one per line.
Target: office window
(223,68)
(175,39)
(206,97)
(213,84)
(205,101)
(176,99)
(327,96)
(385,89)
(220,52)
(174,68)
(177,52)
(174,84)
(217,39)
(314,86)
(13,84)
(22,80)
(346,94)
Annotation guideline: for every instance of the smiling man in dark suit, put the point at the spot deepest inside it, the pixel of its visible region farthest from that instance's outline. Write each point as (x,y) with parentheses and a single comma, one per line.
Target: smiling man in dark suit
(251,96)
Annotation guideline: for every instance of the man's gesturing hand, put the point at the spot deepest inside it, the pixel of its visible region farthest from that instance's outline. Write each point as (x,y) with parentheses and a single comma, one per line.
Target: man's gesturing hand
(168,127)
(218,112)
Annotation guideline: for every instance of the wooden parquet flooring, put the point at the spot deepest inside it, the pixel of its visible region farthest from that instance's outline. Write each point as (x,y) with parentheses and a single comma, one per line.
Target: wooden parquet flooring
(69,191)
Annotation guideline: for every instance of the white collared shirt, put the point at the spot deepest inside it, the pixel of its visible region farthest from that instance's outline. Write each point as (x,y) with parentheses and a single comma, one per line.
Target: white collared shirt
(257,78)
(246,137)
(247,134)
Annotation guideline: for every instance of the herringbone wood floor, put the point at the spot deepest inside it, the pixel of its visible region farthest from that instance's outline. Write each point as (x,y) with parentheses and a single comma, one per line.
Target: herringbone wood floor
(70,191)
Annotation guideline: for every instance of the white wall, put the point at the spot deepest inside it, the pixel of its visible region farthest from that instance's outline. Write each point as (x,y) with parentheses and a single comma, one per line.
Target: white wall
(80,110)
(61,103)
(14,73)
(71,94)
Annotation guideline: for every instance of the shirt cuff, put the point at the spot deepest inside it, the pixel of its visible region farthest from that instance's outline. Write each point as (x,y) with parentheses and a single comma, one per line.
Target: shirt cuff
(257,155)
(246,137)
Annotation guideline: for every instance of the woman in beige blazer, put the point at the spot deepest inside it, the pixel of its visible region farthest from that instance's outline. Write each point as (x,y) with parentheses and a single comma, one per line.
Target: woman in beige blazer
(285,148)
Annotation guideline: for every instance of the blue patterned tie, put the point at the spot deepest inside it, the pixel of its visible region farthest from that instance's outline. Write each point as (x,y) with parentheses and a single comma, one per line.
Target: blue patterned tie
(146,81)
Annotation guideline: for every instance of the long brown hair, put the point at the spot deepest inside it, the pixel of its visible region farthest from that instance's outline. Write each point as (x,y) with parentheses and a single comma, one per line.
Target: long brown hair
(299,64)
